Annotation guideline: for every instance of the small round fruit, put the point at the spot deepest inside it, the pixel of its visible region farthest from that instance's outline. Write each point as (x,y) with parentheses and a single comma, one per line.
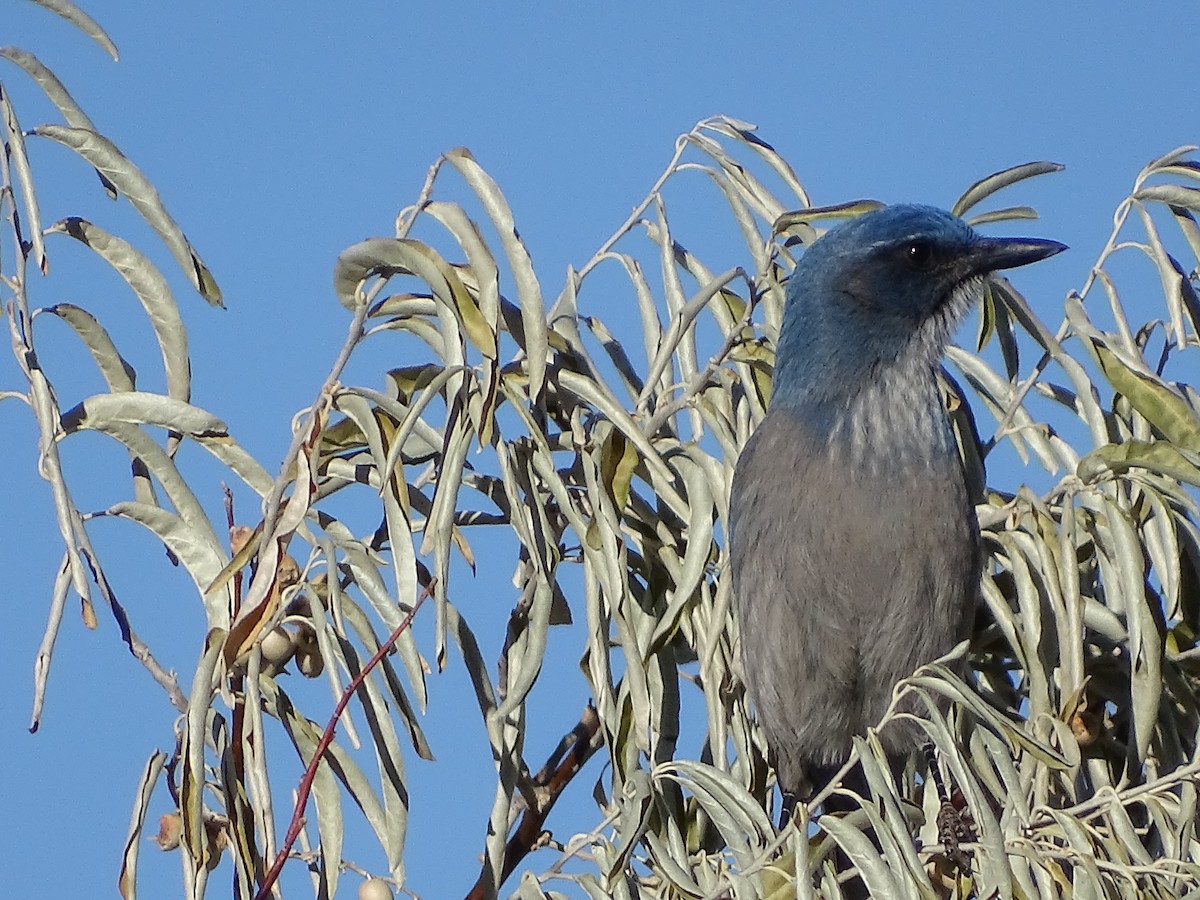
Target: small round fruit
(374,889)
(277,647)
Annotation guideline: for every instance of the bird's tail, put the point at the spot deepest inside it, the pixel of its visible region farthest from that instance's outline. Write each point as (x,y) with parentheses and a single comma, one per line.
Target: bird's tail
(854,781)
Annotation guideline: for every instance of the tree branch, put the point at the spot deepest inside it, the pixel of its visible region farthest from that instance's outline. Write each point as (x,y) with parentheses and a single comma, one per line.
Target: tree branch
(563,764)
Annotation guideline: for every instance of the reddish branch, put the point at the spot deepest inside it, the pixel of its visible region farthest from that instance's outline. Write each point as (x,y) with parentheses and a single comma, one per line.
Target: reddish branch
(575,749)
(310,773)
(239,709)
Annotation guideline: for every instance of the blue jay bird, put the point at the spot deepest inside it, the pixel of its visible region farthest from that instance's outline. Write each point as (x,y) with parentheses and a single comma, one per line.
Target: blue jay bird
(854,545)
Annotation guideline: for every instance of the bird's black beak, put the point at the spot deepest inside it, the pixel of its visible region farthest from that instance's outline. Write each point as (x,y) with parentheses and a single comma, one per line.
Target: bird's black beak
(989,254)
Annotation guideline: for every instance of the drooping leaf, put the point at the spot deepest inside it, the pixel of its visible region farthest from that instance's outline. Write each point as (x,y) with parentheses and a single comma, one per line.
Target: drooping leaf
(82,21)
(985,187)
(529,293)
(59,96)
(117,372)
(127,880)
(152,291)
(129,180)
(403,256)
(14,145)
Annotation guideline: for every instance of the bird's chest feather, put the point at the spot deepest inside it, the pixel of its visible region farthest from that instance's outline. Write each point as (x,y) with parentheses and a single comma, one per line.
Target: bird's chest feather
(851,533)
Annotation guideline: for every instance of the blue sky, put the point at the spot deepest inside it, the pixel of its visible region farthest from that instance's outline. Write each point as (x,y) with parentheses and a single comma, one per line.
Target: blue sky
(280,134)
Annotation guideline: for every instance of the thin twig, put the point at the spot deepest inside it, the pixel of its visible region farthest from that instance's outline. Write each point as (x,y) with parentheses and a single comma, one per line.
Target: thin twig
(1104,798)
(407,217)
(701,379)
(310,772)
(575,846)
(681,144)
(324,399)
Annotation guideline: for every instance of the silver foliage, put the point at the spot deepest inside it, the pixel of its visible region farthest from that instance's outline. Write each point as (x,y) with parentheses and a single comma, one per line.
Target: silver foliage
(1073,741)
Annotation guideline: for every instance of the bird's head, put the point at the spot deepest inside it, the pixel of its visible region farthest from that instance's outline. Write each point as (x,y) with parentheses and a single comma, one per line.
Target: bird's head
(887,287)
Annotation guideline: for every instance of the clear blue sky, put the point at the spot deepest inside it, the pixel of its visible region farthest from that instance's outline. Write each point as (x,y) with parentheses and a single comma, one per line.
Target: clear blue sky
(278,134)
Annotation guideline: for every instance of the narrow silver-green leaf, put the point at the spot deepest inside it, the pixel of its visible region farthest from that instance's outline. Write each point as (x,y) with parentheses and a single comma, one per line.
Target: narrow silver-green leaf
(191,798)
(200,554)
(142,408)
(41,663)
(529,292)
(1008,214)
(1170,194)
(1156,456)
(127,879)
(59,96)
(129,180)
(152,291)
(403,256)
(117,372)
(985,187)
(82,21)
(14,143)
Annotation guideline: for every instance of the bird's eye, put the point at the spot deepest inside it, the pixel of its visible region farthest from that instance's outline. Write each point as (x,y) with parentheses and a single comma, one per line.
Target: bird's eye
(919,255)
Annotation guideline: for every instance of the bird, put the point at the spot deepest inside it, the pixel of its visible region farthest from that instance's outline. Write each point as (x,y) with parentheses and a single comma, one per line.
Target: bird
(854,545)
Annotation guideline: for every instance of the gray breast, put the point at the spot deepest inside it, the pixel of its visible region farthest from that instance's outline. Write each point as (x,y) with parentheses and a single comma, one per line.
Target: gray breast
(847,575)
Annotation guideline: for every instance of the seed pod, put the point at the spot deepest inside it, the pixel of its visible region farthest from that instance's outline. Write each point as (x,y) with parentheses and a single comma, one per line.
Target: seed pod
(374,889)
(308,652)
(170,827)
(277,648)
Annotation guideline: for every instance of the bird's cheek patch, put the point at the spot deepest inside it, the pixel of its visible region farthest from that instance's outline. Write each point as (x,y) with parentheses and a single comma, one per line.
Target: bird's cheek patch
(857,288)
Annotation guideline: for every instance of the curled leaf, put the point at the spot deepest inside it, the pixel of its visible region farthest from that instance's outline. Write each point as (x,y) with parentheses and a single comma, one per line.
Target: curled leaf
(112,164)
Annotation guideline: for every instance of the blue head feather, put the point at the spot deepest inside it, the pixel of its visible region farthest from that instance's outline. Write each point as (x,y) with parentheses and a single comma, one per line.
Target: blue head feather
(871,306)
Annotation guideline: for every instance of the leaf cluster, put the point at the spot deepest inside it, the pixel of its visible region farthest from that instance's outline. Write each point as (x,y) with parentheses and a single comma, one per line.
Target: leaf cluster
(606,462)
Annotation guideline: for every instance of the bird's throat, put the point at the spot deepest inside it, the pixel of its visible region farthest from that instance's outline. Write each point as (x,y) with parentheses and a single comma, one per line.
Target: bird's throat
(889,419)
(893,423)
